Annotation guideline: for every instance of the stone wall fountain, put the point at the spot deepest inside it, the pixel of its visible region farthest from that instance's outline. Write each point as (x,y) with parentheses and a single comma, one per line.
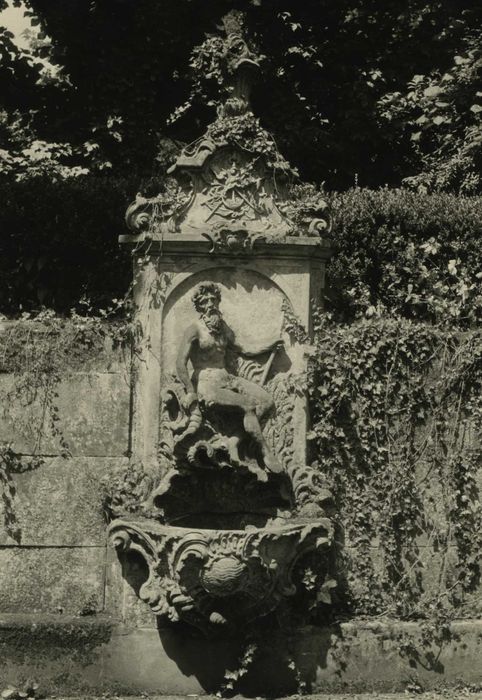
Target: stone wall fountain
(220,501)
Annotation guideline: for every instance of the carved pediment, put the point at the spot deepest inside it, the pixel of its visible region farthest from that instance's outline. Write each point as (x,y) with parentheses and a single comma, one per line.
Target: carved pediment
(233,191)
(231,179)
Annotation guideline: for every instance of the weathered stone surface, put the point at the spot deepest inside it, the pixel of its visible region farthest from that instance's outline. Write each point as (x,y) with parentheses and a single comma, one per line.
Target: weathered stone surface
(93,417)
(377,656)
(58,503)
(124,577)
(52,580)
(109,358)
(89,655)
(430,562)
(58,651)
(169,662)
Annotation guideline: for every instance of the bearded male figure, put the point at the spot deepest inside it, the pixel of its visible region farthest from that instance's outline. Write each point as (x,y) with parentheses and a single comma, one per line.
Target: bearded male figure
(205,344)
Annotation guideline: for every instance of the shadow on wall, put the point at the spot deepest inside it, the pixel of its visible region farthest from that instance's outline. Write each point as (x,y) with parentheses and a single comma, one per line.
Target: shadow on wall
(195,655)
(288,658)
(276,668)
(284,659)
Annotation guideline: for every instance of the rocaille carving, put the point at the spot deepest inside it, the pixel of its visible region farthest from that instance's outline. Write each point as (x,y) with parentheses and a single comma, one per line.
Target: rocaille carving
(217,579)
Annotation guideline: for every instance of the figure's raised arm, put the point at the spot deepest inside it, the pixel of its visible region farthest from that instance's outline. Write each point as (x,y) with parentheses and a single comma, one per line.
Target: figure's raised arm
(251,351)
(184,352)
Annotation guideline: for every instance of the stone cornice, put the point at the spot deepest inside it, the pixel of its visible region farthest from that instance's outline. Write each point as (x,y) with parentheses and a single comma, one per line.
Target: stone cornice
(174,244)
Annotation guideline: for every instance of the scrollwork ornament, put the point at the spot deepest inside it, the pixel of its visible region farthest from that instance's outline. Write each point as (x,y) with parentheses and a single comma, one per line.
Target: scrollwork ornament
(162,212)
(232,239)
(138,215)
(219,579)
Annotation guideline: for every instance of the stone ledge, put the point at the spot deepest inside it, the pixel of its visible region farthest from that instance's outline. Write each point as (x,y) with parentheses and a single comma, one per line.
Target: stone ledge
(175,244)
(97,654)
(61,623)
(51,648)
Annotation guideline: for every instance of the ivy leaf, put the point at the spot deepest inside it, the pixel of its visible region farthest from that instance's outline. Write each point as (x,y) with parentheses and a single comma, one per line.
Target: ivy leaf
(452,267)
(9,693)
(433,91)
(324,593)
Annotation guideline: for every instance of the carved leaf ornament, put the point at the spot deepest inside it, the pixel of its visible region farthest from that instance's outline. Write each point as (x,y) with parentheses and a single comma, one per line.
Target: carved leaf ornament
(219,578)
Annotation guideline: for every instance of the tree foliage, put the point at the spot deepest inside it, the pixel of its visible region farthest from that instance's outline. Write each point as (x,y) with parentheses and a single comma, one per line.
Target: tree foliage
(353,91)
(442,113)
(59,243)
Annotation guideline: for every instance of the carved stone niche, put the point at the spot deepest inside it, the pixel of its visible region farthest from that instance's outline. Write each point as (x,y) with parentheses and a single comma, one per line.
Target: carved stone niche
(234,475)
(226,272)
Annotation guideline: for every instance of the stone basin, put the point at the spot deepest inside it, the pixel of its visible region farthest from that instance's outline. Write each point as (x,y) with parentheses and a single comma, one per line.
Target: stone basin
(218,578)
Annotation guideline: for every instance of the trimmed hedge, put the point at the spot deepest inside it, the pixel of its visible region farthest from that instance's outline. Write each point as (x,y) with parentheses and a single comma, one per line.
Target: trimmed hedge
(410,254)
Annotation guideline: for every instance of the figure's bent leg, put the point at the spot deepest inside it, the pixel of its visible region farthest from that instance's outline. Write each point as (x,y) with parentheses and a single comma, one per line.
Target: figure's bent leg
(218,396)
(227,397)
(264,401)
(263,405)
(250,405)
(253,427)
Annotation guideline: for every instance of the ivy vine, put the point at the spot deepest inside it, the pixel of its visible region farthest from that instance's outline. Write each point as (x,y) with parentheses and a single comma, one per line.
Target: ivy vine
(245,132)
(397,408)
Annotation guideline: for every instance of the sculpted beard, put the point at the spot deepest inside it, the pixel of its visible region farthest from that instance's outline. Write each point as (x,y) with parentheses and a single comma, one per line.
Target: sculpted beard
(213,319)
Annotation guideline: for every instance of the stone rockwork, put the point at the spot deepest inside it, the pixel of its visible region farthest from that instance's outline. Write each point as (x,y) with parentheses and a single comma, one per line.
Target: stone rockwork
(226,505)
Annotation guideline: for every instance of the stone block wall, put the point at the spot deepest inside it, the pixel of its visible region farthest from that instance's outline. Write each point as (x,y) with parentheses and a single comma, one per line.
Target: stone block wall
(53,548)
(69,618)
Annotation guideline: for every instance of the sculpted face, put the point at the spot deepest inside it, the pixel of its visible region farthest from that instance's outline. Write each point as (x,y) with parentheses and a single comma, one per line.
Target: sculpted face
(206,302)
(210,313)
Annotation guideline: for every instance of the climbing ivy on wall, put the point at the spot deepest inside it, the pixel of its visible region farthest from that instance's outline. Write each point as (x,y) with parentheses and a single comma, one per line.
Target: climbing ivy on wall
(397,416)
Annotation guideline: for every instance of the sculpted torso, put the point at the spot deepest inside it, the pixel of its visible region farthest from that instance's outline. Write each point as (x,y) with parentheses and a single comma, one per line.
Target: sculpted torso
(207,350)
